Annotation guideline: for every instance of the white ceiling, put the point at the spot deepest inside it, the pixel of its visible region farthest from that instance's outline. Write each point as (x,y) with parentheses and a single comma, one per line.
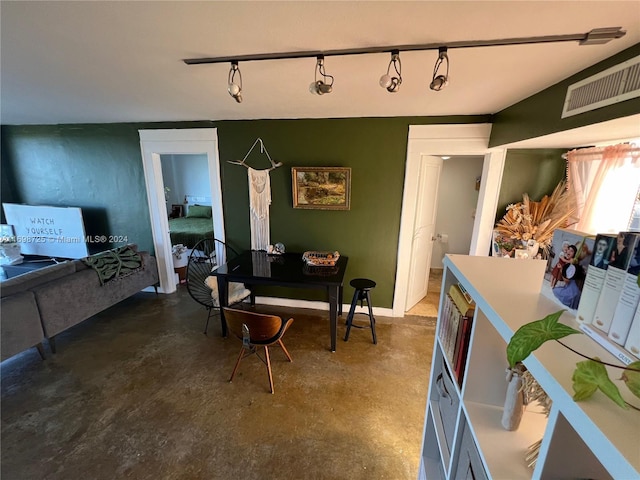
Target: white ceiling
(102,62)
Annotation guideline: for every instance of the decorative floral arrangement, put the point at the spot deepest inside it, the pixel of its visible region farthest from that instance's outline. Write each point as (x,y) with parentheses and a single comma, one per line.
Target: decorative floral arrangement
(178,250)
(528,220)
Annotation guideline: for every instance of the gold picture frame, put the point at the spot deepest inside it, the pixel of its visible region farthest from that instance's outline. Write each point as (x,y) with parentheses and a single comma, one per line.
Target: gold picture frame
(321,188)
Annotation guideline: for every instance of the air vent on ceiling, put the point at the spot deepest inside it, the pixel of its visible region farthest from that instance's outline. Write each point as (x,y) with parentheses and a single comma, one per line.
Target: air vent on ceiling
(610,86)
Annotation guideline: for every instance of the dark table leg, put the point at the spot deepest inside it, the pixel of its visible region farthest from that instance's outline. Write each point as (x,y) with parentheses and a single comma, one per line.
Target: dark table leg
(223,299)
(334,295)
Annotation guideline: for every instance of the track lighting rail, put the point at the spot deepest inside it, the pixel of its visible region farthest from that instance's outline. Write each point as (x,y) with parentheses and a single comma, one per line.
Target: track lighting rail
(593,37)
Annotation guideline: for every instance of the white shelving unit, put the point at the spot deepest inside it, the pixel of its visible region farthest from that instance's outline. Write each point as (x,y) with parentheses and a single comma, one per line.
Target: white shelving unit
(594,438)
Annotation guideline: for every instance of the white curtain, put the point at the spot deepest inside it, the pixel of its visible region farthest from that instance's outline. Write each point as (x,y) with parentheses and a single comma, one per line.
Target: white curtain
(605,183)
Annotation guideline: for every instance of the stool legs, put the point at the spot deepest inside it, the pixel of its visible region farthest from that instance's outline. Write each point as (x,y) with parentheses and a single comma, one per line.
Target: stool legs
(372,319)
(351,313)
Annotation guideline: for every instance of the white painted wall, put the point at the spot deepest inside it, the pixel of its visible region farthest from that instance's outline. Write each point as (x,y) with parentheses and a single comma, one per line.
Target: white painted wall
(185,175)
(457,201)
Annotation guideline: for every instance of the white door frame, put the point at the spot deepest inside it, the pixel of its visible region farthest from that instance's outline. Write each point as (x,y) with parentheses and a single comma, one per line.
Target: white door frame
(154,143)
(466,139)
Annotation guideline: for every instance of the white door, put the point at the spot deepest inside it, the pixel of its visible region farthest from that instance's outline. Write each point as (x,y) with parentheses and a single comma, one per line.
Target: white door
(424,228)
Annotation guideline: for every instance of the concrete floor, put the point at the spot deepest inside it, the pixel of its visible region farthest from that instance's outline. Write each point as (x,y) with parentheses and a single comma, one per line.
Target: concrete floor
(428,306)
(138,392)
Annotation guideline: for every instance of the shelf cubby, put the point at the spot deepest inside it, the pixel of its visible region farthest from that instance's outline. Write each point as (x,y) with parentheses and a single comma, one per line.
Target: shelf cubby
(589,439)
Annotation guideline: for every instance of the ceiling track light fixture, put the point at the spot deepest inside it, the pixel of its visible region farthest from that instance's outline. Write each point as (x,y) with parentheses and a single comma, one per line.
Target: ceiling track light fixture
(392,84)
(325,85)
(596,36)
(235,88)
(438,82)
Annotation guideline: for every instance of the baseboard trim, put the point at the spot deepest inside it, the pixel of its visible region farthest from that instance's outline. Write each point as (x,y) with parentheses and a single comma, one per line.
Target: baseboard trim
(289,302)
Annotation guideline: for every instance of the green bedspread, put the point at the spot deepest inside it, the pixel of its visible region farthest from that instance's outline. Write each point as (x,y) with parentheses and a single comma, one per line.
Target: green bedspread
(189,230)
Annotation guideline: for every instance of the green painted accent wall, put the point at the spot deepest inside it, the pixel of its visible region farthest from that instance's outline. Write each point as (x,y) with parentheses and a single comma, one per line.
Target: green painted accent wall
(540,114)
(532,171)
(99,168)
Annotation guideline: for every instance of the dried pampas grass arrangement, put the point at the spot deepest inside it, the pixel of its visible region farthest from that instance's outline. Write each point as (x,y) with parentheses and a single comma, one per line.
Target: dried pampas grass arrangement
(530,220)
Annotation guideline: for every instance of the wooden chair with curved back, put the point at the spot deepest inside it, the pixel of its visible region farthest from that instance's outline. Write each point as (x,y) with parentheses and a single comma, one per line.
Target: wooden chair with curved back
(202,286)
(257,330)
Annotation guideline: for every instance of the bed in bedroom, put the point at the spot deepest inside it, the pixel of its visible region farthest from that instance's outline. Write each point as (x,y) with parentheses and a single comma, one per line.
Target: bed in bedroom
(194,227)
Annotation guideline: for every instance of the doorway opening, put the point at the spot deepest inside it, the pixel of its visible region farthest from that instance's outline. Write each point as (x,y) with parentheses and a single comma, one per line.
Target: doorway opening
(156,143)
(427,141)
(458,188)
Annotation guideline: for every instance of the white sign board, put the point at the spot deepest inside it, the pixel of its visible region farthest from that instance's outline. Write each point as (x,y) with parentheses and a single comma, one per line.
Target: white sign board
(48,231)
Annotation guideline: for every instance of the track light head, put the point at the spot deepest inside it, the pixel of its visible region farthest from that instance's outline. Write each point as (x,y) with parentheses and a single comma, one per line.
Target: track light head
(325,85)
(235,87)
(320,88)
(392,83)
(438,82)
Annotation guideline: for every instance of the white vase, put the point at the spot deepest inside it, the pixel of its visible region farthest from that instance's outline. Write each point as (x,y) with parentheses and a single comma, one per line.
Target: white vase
(514,399)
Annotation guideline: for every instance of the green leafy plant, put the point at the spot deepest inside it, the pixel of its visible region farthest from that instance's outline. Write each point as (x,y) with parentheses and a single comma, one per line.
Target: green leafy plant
(590,375)
(532,335)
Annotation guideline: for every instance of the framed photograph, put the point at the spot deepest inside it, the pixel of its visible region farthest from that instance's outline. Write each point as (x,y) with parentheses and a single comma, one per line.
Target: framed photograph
(321,188)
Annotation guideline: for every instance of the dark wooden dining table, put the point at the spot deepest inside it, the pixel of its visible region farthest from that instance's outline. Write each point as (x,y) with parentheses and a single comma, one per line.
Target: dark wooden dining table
(286,270)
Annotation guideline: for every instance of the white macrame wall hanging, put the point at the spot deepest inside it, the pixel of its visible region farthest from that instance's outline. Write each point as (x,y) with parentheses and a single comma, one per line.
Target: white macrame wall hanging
(259,198)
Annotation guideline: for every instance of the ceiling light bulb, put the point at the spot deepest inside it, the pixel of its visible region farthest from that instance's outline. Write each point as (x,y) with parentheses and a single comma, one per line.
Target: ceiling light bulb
(439,83)
(234,89)
(385,81)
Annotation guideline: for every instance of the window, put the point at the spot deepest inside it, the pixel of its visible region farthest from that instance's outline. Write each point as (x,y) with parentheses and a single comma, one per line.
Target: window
(605,182)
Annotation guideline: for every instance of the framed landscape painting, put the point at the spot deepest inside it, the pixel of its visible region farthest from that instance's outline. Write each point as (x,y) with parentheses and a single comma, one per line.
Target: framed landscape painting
(321,188)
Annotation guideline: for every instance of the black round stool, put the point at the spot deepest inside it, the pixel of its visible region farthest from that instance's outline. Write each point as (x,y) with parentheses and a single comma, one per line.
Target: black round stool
(363,286)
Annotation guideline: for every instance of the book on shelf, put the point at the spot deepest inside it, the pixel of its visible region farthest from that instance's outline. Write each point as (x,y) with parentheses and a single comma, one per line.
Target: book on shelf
(632,344)
(449,328)
(619,260)
(613,348)
(462,347)
(443,324)
(466,294)
(628,300)
(462,300)
(570,253)
(455,329)
(594,280)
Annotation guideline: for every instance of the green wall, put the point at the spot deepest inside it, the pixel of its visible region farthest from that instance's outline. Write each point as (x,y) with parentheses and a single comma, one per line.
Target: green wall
(532,171)
(540,114)
(99,168)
